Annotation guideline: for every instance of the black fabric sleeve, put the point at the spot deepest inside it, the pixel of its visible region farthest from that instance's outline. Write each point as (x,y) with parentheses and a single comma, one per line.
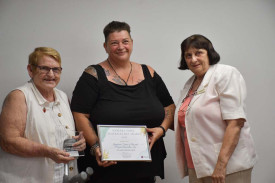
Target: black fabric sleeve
(162,91)
(85,94)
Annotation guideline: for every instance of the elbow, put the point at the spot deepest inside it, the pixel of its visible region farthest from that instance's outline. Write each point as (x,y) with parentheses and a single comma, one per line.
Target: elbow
(173,106)
(237,124)
(4,145)
(9,146)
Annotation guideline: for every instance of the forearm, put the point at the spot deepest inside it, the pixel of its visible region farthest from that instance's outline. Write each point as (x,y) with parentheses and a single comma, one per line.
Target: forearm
(168,121)
(21,146)
(83,124)
(230,141)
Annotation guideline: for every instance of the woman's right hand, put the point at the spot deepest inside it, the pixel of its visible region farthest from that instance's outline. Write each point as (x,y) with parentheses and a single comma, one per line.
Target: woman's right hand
(59,156)
(102,163)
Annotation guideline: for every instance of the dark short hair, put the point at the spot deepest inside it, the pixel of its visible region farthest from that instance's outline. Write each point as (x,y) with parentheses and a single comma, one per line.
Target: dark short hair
(115,26)
(199,42)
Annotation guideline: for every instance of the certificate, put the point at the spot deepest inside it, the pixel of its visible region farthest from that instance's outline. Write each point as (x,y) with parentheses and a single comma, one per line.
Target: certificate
(123,143)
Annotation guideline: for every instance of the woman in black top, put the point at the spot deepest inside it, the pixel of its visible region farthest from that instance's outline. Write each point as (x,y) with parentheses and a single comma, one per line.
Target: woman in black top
(118,91)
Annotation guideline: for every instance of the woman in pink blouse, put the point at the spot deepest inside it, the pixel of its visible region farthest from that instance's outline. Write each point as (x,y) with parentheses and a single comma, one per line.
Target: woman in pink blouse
(213,140)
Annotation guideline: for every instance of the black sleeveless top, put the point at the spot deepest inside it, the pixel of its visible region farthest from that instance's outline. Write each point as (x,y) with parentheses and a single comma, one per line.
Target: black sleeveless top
(112,104)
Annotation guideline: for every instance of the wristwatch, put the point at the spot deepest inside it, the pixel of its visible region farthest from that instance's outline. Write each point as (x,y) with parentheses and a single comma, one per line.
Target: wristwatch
(92,150)
(164,132)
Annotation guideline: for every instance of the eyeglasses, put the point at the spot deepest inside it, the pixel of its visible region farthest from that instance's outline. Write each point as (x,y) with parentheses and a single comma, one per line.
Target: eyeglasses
(46,69)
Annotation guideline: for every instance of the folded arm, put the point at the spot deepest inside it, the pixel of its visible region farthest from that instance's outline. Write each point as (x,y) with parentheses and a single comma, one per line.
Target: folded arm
(13,123)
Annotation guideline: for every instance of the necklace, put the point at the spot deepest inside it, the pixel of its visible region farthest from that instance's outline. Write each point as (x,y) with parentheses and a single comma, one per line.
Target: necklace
(189,96)
(190,89)
(118,75)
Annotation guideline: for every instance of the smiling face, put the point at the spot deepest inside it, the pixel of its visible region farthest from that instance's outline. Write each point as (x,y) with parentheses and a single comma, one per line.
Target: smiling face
(45,81)
(197,61)
(119,46)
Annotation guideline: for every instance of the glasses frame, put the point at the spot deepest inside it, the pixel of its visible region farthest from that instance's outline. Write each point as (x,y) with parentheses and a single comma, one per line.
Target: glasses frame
(46,69)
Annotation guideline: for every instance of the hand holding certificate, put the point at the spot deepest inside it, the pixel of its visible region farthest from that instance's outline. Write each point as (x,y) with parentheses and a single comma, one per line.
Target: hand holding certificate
(123,143)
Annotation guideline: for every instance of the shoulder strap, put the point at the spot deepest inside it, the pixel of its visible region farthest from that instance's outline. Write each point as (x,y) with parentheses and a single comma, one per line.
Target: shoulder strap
(146,72)
(100,72)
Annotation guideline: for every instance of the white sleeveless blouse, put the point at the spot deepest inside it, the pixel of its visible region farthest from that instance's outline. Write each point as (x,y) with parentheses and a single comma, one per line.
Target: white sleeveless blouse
(43,124)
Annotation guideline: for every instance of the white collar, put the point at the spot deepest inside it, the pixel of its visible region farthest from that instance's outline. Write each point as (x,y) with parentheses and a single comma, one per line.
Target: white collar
(41,100)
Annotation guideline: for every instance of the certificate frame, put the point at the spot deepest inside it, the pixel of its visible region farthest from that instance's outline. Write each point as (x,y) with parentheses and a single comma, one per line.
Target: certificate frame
(124,143)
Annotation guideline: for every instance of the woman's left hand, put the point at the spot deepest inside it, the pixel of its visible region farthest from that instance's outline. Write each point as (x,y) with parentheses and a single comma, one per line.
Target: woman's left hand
(219,173)
(154,135)
(80,144)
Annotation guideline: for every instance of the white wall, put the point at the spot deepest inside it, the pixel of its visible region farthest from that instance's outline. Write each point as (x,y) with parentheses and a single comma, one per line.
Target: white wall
(243,32)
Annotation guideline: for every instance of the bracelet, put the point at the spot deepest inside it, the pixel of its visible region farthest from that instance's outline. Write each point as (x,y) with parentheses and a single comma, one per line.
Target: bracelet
(164,132)
(92,150)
